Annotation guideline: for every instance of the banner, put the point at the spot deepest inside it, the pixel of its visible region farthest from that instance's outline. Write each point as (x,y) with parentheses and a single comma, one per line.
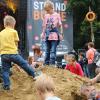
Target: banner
(35,15)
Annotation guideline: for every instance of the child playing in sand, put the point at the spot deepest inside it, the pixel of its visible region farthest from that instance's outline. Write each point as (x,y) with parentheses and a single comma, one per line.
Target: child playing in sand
(90,92)
(38,54)
(45,88)
(9,51)
(31,62)
(38,57)
(73,66)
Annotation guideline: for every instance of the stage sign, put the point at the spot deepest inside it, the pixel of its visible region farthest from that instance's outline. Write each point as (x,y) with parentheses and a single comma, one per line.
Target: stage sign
(35,15)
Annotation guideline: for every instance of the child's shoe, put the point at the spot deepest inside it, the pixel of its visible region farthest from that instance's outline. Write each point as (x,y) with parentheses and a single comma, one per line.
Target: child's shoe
(6,87)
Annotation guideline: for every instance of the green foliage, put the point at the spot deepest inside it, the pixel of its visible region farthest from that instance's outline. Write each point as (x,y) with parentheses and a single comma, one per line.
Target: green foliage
(85,27)
(76,3)
(81,27)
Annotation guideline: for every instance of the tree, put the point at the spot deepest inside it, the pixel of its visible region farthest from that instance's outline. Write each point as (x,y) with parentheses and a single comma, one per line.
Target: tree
(80,26)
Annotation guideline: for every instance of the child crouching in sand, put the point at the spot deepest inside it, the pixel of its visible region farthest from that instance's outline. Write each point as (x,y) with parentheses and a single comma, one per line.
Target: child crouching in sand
(90,92)
(31,62)
(73,66)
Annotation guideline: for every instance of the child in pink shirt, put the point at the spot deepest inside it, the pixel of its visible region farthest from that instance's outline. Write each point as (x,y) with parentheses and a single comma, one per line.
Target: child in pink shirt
(51,23)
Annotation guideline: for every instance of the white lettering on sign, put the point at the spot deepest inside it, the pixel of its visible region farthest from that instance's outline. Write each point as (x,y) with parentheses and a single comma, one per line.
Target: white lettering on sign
(36,6)
(57,6)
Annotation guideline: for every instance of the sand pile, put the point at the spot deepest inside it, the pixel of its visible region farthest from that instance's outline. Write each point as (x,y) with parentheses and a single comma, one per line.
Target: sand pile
(22,88)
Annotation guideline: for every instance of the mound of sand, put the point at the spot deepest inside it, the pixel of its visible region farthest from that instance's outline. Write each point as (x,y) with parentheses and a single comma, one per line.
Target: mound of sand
(23,87)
